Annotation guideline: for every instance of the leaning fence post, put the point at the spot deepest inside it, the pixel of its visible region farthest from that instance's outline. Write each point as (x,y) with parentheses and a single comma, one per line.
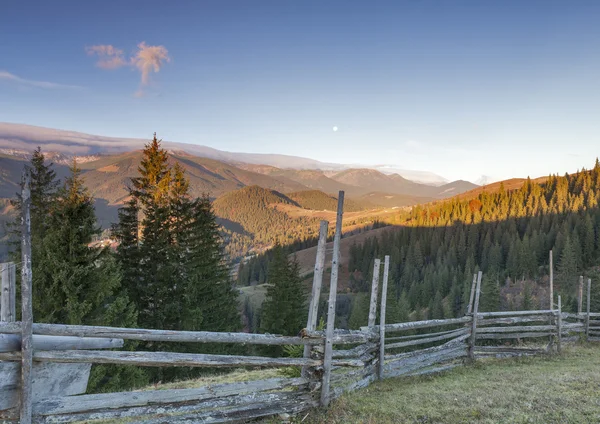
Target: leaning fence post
(470,307)
(374,287)
(332,299)
(551,341)
(386,269)
(559,327)
(587,316)
(26,306)
(474,321)
(580,295)
(8,309)
(313,309)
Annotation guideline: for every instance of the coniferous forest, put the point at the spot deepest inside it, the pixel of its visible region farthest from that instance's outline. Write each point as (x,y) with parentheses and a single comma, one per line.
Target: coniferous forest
(505,234)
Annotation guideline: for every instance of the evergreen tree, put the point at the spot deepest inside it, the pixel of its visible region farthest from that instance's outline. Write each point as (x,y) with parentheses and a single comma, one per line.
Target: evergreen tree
(359,316)
(284,310)
(490,295)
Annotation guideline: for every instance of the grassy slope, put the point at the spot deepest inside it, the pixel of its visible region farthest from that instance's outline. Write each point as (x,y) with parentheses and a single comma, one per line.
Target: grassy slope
(561,389)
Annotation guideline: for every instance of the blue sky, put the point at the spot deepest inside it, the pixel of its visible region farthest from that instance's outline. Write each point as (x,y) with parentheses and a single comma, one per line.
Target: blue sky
(459,88)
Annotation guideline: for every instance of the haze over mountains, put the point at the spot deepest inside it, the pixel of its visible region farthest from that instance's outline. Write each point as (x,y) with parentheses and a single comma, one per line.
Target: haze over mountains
(108,164)
(28,137)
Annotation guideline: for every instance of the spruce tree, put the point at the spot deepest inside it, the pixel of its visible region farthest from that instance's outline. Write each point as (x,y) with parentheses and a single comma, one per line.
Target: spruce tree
(284,310)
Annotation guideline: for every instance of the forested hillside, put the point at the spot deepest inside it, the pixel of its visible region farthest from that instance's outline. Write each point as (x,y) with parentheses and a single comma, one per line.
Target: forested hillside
(317,200)
(506,234)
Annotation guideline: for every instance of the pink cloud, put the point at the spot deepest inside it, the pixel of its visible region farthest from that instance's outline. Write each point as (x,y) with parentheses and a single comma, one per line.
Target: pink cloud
(147,59)
(109,57)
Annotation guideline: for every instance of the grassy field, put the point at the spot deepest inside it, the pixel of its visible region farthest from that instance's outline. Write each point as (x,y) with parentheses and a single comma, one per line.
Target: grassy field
(558,389)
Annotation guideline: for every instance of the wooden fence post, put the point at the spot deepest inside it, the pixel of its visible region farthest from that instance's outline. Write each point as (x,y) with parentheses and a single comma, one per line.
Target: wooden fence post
(580,296)
(313,309)
(386,269)
(374,294)
(26,306)
(551,283)
(8,309)
(587,316)
(474,322)
(331,307)
(559,327)
(470,307)
(551,295)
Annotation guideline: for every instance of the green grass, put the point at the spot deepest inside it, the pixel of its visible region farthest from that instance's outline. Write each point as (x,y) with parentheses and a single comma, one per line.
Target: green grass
(556,389)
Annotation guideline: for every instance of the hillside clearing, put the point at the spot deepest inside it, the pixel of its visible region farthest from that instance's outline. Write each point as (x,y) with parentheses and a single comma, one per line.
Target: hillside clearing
(558,389)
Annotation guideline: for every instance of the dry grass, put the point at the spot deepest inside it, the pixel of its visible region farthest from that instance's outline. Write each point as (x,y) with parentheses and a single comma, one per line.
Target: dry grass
(563,389)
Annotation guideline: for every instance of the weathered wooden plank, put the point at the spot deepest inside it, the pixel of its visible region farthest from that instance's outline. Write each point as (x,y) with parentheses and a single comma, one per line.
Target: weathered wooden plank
(161,359)
(12,342)
(514,313)
(370,369)
(374,293)
(473,338)
(558,326)
(313,310)
(8,294)
(386,269)
(101,401)
(161,335)
(413,325)
(331,303)
(341,337)
(360,384)
(588,314)
(507,349)
(516,329)
(25,399)
(580,295)
(470,307)
(453,342)
(513,335)
(551,266)
(400,370)
(430,358)
(355,352)
(229,408)
(511,320)
(454,334)
(417,336)
(48,379)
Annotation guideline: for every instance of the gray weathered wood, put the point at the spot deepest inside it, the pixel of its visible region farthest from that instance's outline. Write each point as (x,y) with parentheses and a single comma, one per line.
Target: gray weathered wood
(435,370)
(160,359)
(428,340)
(386,270)
(224,409)
(470,307)
(580,295)
(313,309)
(400,369)
(516,329)
(505,349)
(475,317)
(356,351)
(558,327)
(88,403)
(496,336)
(8,294)
(546,312)
(451,343)
(511,320)
(587,317)
(418,336)
(48,380)
(25,400)
(332,300)
(413,325)
(374,293)
(161,335)
(12,342)
(345,336)
(551,296)
(430,358)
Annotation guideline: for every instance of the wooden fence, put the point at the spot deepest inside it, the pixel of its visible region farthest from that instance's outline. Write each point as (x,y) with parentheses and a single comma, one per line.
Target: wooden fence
(44,368)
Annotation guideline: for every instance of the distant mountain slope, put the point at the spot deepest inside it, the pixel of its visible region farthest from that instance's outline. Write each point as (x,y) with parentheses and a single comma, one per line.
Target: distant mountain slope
(317,200)
(388,200)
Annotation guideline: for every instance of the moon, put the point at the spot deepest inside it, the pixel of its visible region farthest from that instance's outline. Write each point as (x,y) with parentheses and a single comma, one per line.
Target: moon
(335,129)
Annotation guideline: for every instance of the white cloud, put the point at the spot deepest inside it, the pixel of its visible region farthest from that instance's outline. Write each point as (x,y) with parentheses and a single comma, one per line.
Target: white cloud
(7,76)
